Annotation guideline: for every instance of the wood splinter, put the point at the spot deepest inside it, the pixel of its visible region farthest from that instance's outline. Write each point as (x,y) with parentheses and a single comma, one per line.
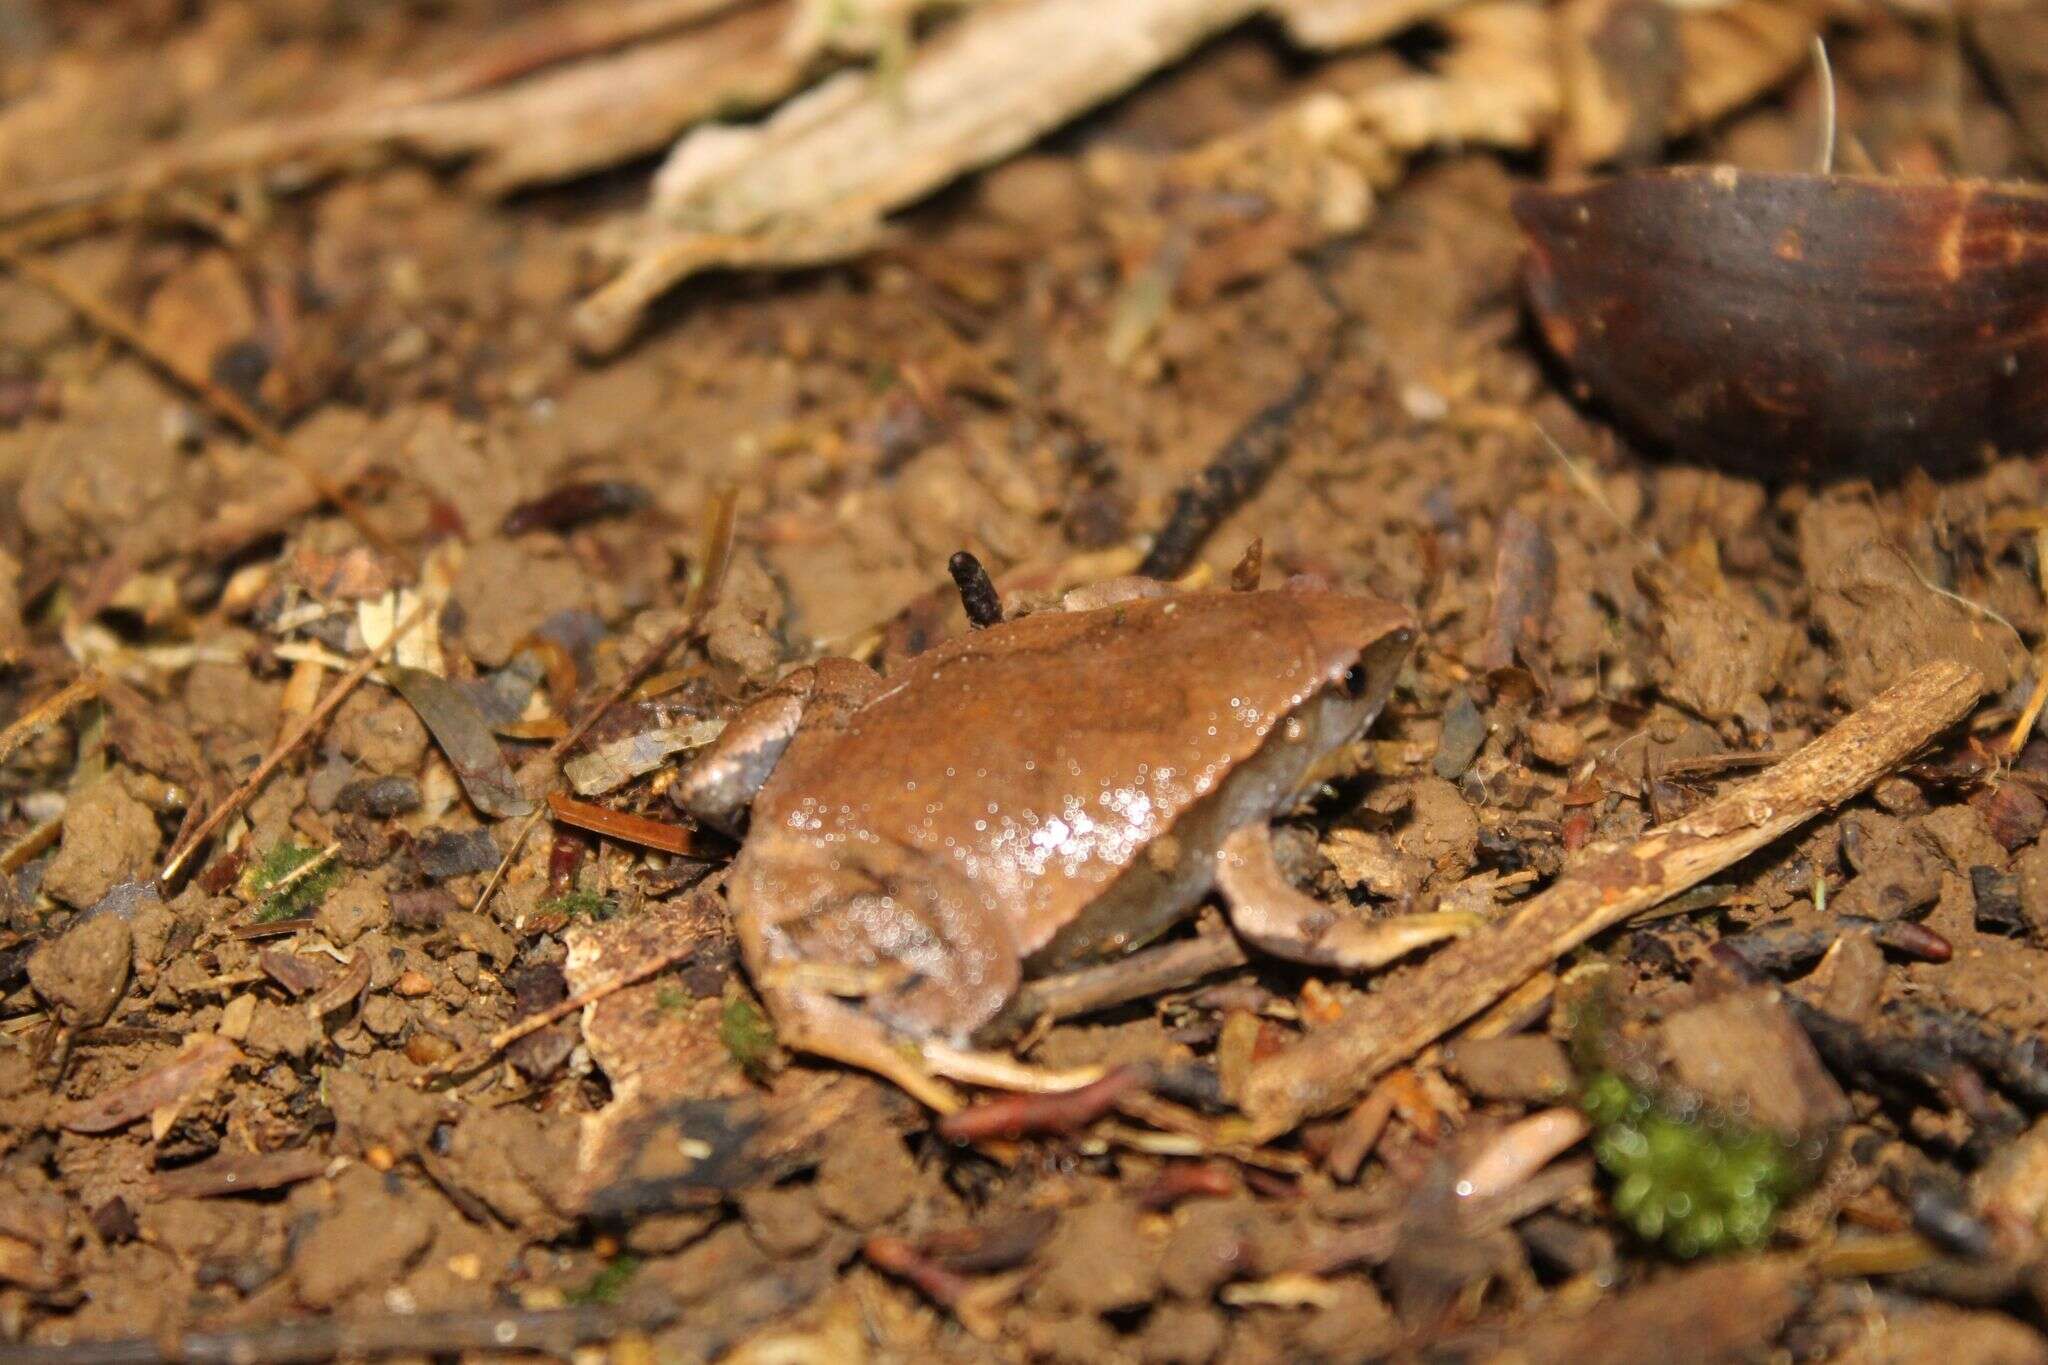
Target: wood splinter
(1334,1066)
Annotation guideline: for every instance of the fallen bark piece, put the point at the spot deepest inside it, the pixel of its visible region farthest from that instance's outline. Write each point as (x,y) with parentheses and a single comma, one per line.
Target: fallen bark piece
(1334,1066)
(814,182)
(202,1063)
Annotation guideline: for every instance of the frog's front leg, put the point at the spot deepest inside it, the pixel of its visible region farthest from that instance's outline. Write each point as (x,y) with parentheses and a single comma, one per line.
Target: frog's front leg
(1271,914)
(718,787)
(815,1022)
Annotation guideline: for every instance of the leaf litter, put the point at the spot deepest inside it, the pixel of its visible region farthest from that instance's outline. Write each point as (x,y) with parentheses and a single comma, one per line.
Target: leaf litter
(1029,370)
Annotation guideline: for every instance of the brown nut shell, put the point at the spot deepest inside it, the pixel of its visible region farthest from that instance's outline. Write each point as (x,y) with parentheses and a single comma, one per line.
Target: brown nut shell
(1801,325)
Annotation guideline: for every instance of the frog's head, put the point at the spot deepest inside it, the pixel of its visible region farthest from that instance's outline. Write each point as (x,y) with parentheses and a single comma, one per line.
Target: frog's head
(913,948)
(1357,647)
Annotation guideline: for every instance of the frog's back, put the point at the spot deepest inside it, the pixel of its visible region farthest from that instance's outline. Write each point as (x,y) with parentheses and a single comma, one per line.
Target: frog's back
(1040,758)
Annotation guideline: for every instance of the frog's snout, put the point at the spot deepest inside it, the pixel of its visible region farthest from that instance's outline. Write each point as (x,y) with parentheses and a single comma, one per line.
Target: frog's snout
(926,963)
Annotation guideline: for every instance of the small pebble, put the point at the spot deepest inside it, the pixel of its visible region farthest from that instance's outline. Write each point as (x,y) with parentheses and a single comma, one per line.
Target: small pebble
(447,854)
(381,797)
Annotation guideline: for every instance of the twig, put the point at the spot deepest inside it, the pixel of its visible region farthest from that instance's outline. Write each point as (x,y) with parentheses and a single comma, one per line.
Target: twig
(1143,974)
(1244,464)
(2023,728)
(815,180)
(1333,1066)
(285,746)
(534,1023)
(224,402)
(1065,1111)
(1778,949)
(547,1331)
(626,827)
(47,712)
(716,555)
(483,897)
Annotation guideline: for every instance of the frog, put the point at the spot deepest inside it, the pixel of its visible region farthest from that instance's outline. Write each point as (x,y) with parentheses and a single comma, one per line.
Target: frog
(1038,796)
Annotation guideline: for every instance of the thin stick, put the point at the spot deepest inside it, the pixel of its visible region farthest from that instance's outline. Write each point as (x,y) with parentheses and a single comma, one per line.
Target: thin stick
(483,897)
(223,401)
(47,712)
(2022,729)
(1333,1066)
(534,1023)
(560,34)
(627,827)
(285,746)
(543,1331)
(1140,976)
(1246,461)
(717,554)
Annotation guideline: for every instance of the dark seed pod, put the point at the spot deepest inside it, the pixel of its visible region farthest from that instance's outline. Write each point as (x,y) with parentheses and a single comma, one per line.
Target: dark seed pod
(1801,326)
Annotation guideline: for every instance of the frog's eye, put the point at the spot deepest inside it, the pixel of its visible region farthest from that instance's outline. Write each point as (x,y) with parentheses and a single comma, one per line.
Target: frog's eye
(1355,681)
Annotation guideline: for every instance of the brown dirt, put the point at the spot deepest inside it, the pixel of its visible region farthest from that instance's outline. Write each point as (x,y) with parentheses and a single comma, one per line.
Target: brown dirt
(950,392)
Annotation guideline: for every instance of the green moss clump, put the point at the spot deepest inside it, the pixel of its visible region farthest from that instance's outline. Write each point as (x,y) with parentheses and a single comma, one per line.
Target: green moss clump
(280,885)
(610,1282)
(748,1035)
(1698,1183)
(581,905)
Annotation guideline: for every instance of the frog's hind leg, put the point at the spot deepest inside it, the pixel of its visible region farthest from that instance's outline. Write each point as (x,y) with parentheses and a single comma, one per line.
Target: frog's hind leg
(721,783)
(718,787)
(1272,915)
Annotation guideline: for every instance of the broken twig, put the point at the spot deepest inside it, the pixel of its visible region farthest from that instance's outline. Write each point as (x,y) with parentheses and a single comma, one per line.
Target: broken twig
(286,745)
(223,401)
(1335,1065)
(543,1331)
(813,182)
(716,555)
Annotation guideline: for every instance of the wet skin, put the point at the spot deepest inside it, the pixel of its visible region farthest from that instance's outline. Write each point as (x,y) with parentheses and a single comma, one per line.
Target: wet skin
(1038,796)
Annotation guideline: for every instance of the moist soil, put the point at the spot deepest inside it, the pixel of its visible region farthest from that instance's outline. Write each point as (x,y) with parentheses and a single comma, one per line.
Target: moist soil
(209,1112)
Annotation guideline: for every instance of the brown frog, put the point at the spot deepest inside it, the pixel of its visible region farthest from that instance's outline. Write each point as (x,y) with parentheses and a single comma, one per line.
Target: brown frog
(1036,796)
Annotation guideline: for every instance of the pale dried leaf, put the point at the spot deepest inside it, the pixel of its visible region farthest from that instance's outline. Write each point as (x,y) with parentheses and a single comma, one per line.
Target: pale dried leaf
(456,724)
(420,648)
(816,179)
(615,764)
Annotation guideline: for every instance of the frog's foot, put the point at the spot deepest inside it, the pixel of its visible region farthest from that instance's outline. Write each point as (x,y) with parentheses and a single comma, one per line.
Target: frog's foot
(812,1022)
(1271,914)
